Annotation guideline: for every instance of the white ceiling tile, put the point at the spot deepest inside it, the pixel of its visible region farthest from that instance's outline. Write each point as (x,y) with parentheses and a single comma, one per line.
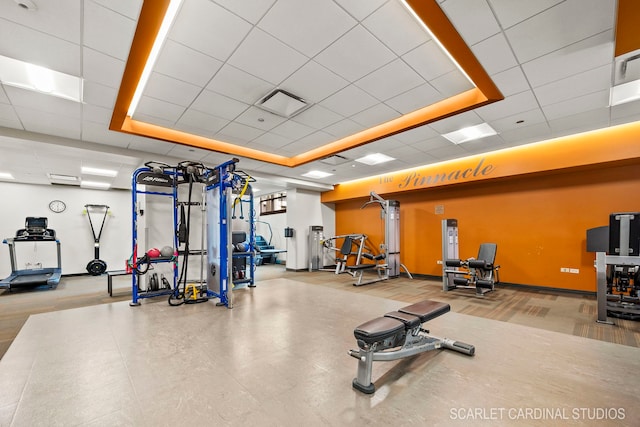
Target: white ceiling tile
(494,54)
(551,30)
(218,105)
(592,101)
(3,95)
(360,9)
(349,101)
(529,118)
(375,115)
(251,11)
(511,12)
(188,153)
(96,114)
(317,117)
(514,104)
(309,26)
(420,133)
(32,46)
(391,80)
(158,108)
(154,120)
(129,8)
(100,95)
(100,68)
(586,54)
(202,121)
(483,145)
(355,54)
(313,82)
(292,130)
(269,149)
(266,57)
(170,90)
(107,31)
(430,144)
(150,145)
(451,83)
(174,56)
(429,61)
(261,119)
(206,27)
(622,112)
(42,102)
(394,26)
(49,123)
(449,152)
(238,132)
(582,122)
(511,81)
(95,132)
(272,140)
(527,134)
(414,99)
(343,128)
(8,117)
(575,86)
(241,86)
(474,20)
(60,19)
(456,122)
(309,142)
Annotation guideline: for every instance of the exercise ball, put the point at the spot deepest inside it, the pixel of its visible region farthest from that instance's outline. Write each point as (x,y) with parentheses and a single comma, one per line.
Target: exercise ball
(166,251)
(153,253)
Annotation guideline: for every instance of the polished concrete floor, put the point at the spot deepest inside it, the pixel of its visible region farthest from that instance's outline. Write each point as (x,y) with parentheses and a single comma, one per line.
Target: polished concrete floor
(279,358)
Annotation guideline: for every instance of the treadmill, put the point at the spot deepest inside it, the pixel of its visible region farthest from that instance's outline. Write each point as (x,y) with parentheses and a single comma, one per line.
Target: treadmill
(35,231)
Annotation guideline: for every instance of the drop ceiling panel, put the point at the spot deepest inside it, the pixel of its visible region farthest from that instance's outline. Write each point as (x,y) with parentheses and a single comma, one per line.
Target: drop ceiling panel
(237,84)
(267,58)
(518,103)
(349,101)
(160,109)
(128,8)
(200,25)
(99,95)
(451,83)
(96,114)
(59,19)
(292,130)
(415,98)
(173,57)
(218,105)
(378,114)
(43,102)
(239,132)
(586,54)
(272,140)
(318,117)
(551,30)
(511,81)
(592,101)
(355,54)
(360,9)
(107,31)
(385,23)
(206,123)
(527,134)
(343,128)
(429,61)
(49,123)
(171,90)
(95,132)
(421,133)
(390,80)
(447,153)
(100,68)
(531,117)
(309,26)
(32,46)
(495,54)
(313,82)
(509,12)
(433,144)
(588,120)
(150,146)
(453,123)
(575,86)
(629,111)
(261,119)
(8,117)
(474,20)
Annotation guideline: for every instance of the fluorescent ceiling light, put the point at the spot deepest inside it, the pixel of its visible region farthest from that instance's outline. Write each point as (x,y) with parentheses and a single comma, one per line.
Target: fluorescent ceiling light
(625,92)
(40,79)
(99,172)
(470,133)
(374,159)
(282,103)
(316,174)
(95,184)
(62,177)
(172,11)
(6,175)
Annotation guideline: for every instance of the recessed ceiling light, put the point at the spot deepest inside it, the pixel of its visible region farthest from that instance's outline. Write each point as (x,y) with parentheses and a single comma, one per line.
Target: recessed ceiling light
(6,175)
(40,79)
(99,172)
(624,93)
(374,159)
(316,174)
(470,133)
(95,184)
(58,177)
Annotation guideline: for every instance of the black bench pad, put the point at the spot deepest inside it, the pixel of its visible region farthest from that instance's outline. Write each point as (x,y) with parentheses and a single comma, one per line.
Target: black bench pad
(426,310)
(360,266)
(379,329)
(410,321)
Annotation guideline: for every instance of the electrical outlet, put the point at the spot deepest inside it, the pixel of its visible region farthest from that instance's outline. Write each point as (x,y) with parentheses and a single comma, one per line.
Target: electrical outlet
(439,262)
(564,270)
(574,270)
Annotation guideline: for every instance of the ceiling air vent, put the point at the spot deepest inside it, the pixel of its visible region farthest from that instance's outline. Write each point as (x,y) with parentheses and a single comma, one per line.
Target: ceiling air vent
(282,103)
(335,160)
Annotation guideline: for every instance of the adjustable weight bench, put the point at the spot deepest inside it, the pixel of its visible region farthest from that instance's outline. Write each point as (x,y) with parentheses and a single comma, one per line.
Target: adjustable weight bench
(400,330)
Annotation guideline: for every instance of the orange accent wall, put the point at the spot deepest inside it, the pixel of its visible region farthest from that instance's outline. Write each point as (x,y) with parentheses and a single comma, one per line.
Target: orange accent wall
(627,34)
(538,222)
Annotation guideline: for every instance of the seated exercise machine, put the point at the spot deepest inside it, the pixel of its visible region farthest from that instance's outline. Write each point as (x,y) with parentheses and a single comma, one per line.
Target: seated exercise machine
(35,231)
(387,263)
(479,273)
(396,335)
(353,245)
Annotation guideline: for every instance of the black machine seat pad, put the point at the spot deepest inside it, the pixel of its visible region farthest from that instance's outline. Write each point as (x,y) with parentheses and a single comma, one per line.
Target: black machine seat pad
(360,266)
(410,321)
(379,329)
(426,310)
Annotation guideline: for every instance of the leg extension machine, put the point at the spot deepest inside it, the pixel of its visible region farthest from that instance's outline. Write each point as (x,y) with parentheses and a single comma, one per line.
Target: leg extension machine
(402,330)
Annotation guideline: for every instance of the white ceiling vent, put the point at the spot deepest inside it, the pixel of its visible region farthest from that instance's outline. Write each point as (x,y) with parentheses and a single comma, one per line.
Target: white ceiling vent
(334,160)
(282,103)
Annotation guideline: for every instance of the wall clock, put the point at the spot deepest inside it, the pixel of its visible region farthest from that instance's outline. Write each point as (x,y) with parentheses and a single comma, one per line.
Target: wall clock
(57,206)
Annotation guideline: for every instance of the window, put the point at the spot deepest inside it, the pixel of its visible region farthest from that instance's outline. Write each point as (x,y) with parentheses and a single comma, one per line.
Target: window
(273,204)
